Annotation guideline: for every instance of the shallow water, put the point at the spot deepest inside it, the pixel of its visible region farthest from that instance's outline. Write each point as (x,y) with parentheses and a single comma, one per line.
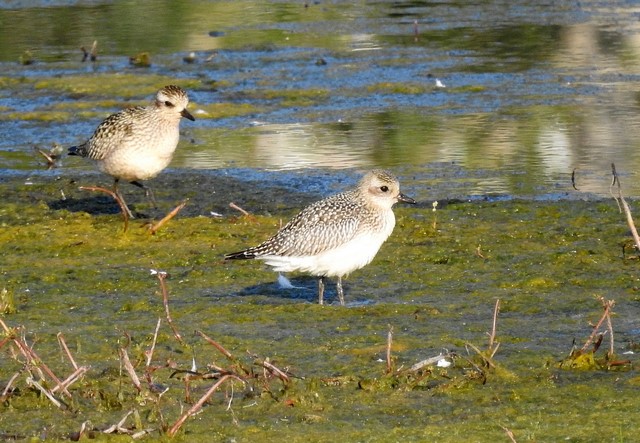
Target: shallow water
(532,92)
(292,103)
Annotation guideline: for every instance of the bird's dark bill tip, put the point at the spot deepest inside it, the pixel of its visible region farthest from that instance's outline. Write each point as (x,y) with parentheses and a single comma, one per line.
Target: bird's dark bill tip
(403,198)
(187,114)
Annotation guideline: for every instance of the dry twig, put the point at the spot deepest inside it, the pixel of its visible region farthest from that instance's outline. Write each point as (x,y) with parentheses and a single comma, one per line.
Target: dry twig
(509,434)
(195,408)
(487,360)
(32,357)
(389,341)
(271,368)
(627,211)
(492,337)
(63,344)
(162,276)
(149,353)
(118,427)
(45,391)
(124,358)
(607,305)
(232,205)
(428,362)
(155,227)
(216,345)
(7,388)
(71,379)
(92,54)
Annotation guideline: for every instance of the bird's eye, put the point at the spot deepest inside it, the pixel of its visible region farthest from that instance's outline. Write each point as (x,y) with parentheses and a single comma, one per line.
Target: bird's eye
(168,104)
(384,188)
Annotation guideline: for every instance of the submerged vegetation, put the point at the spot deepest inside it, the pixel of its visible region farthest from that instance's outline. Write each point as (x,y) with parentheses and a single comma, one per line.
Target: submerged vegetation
(90,345)
(490,318)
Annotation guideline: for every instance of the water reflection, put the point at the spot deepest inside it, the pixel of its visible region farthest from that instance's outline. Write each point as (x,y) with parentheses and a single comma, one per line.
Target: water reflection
(534,91)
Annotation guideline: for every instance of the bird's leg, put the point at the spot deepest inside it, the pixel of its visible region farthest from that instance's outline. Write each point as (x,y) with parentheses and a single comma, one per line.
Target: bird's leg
(147,191)
(122,203)
(340,291)
(321,290)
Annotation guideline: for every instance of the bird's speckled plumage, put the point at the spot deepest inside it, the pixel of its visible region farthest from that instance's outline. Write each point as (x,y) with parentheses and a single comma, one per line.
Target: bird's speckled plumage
(337,235)
(138,143)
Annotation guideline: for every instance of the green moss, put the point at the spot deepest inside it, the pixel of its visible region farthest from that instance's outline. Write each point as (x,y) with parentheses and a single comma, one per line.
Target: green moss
(72,270)
(467,88)
(224,110)
(130,85)
(399,88)
(291,97)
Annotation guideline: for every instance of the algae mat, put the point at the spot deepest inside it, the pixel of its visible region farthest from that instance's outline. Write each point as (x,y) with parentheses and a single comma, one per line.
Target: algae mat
(305,372)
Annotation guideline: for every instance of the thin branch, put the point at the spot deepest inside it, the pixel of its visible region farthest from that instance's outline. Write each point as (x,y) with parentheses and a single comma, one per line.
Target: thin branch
(625,206)
(509,433)
(610,328)
(72,378)
(427,362)
(149,353)
(195,408)
(162,276)
(155,227)
(232,205)
(216,345)
(51,158)
(389,341)
(49,395)
(487,360)
(124,358)
(31,355)
(66,350)
(607,304)
(3,396)
(119,427)
(271,368)
(492,336)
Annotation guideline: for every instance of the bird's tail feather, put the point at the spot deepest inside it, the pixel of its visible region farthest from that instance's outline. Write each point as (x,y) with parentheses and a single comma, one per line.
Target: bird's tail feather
(242,255)
(78,150)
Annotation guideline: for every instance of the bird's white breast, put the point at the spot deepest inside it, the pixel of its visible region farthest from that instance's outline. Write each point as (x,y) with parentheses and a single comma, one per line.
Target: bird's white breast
(340,260)
(142,158)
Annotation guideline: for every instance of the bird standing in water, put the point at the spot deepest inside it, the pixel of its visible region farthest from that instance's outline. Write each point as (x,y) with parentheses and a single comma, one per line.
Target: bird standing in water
(335,236)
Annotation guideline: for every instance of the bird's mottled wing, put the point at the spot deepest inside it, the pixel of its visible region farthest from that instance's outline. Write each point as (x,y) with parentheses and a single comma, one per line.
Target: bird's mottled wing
(111,133)
(321,226)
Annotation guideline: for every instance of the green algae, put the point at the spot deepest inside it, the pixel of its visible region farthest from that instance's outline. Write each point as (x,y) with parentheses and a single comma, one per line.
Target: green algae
(136,89)
(291,97)
(221,110)
(127,85)
(72,270)
(399,88)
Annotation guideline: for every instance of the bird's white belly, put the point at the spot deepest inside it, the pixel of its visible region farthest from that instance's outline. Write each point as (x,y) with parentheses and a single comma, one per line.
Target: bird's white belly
(140,162)
(335,262)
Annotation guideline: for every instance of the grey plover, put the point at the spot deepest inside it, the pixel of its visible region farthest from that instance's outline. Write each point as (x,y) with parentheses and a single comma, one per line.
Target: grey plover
(137,143)
(335,236)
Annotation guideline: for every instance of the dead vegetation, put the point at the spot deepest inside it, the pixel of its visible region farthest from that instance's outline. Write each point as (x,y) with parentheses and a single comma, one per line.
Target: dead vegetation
(239,377)
(585,358)
(248,376)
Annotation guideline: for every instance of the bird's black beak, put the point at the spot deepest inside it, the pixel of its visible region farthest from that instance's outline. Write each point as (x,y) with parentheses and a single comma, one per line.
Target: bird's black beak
(403,198)
(187,114)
